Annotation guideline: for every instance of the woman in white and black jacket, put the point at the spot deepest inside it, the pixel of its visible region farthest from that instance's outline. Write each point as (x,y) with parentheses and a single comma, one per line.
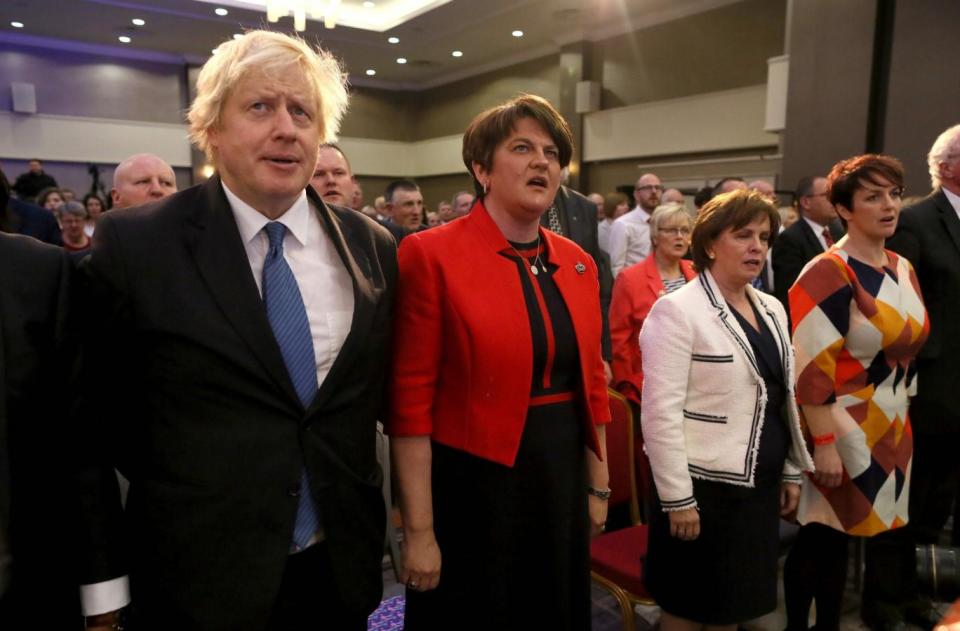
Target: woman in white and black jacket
(720,425)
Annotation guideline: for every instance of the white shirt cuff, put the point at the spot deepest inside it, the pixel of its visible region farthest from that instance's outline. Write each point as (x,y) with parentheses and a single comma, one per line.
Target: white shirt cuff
(104,597)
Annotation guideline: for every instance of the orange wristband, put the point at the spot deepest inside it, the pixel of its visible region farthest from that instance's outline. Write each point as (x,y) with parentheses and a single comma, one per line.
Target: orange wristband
(824,439)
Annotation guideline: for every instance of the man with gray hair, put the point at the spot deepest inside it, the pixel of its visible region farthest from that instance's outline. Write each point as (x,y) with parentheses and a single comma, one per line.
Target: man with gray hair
(928,235)
(245,326)
(140,179)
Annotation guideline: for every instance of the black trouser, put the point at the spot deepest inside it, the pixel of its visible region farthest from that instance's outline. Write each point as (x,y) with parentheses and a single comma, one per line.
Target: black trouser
(934,486)
(815,569)
(308,597)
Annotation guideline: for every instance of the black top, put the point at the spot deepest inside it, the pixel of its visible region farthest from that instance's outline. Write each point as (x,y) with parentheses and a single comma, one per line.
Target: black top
(555,355)
(775,439)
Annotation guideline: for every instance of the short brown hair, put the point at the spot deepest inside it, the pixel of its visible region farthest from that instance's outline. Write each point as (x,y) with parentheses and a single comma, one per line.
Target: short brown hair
(488,129)
(611,201)
(847,176)
(733,210)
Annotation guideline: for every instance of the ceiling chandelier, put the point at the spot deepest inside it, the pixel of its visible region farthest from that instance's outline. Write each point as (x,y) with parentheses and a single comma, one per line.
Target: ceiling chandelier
(318,9)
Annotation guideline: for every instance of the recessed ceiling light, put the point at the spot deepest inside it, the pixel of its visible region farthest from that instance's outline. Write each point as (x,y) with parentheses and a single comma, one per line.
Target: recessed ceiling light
(393,40)
(220,11)
(457,53)
(214,51)
(124,39)
(371,72)
(16,24)
(369,5)
(517,33)
(237,35)
(138,22)
(401,60)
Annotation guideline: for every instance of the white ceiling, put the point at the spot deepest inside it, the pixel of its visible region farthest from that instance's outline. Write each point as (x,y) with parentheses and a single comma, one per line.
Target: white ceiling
(186,31)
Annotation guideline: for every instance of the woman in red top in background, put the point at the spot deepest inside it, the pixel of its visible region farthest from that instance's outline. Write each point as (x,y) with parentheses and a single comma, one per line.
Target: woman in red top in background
(498,394)
(639,286)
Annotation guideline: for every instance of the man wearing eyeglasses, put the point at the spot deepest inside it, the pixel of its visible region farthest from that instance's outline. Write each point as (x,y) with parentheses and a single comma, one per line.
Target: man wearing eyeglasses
(630,234)
(815,231)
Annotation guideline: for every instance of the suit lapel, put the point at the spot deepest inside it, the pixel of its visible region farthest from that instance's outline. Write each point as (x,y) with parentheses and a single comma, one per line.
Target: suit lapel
(728,322)
(359,266)
(214,241)
(813,242)
(654,282)
(948,216)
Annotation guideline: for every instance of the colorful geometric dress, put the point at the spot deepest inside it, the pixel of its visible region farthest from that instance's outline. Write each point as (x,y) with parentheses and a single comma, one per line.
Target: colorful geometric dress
(857,329)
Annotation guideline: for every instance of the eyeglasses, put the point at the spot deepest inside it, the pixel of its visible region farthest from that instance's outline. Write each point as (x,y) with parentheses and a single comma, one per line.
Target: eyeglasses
(648,187)
(679,232)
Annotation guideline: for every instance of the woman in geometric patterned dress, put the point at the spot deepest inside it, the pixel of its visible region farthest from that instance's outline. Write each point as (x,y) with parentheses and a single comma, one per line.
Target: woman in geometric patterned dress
(859,321)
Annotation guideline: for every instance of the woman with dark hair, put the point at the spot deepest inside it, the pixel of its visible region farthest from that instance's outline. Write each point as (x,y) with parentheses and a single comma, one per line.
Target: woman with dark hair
(614,205)
(720,426)
(859,321)
(95,207)
(499,399)
(52,199)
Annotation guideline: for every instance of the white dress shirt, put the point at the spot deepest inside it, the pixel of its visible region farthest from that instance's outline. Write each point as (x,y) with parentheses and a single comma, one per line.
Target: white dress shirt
(327,290)
(629,239)
(817,231)
(603,234)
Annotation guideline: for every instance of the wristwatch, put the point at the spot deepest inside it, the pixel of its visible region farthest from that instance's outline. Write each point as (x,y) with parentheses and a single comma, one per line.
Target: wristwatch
(110,621)
(603,494)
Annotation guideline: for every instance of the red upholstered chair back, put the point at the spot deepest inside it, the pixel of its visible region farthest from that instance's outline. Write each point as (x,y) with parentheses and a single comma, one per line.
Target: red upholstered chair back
(620,455)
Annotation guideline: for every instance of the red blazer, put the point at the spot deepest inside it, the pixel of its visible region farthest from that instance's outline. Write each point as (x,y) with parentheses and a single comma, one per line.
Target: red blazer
(463,350)
(634,292)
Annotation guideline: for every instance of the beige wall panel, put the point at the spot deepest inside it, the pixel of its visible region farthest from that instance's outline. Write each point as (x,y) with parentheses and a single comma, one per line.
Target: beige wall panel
(380,114)
(732,119)
(716,50)
(449,109)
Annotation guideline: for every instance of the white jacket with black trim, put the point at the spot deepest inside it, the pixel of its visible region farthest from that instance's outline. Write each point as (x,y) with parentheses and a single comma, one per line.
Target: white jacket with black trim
(703,396)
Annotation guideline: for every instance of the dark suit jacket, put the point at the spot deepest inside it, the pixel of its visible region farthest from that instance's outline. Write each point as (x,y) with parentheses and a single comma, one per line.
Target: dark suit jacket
(465,378)
(34,448)
(794,248)
(188,390)
(928,235)
(34,221)
(578,216)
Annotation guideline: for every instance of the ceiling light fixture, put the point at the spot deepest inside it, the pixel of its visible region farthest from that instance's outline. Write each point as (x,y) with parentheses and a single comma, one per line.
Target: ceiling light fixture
(371,72)
(138,22)
(393,40)
(220,11)
(517,33)
(401,60)
(124,39)
(457,53)
(237,35)
(369,5)
(277,9)
(16,24)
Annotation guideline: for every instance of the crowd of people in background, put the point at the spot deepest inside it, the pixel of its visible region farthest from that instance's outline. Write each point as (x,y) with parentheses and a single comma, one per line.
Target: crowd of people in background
(252,324)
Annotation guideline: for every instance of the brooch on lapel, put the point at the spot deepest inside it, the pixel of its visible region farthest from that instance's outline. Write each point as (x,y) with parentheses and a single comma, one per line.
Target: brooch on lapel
(580,267)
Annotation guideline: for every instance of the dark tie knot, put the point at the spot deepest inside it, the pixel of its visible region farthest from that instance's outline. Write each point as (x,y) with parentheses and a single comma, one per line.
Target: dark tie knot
(275,232)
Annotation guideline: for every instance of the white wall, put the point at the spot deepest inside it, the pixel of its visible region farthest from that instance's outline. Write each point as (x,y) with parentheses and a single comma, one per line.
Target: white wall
(717,121)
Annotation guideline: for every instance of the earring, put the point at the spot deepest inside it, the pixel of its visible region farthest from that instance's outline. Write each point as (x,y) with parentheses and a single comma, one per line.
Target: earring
(484,188)
(711,255)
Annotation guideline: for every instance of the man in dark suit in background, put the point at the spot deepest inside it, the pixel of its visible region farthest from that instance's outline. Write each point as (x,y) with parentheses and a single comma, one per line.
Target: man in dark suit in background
(574,216)
(25,218)
(37,585)
(928,235)
(244,327)
(815,231)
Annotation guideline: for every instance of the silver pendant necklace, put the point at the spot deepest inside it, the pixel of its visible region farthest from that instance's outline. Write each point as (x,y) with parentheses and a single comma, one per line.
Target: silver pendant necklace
(533,266)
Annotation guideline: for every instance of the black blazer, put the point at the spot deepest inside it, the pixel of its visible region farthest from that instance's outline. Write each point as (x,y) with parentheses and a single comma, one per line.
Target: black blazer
(34,221)
(188,393)
(928,235)
(35,353)
(578,216)
(793,249)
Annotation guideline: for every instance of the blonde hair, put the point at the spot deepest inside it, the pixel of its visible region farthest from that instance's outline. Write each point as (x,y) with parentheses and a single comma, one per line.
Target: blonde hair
(267,52)
(664,213)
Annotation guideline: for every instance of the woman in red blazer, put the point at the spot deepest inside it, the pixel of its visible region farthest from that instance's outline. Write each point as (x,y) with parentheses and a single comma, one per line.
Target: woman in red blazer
(498,397)
(639,286)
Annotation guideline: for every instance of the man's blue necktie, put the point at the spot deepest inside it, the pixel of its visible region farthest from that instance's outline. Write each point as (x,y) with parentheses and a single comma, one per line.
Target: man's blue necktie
(288,319)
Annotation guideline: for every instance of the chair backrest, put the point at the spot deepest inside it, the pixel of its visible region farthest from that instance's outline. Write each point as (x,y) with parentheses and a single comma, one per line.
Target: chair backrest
(620,455)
